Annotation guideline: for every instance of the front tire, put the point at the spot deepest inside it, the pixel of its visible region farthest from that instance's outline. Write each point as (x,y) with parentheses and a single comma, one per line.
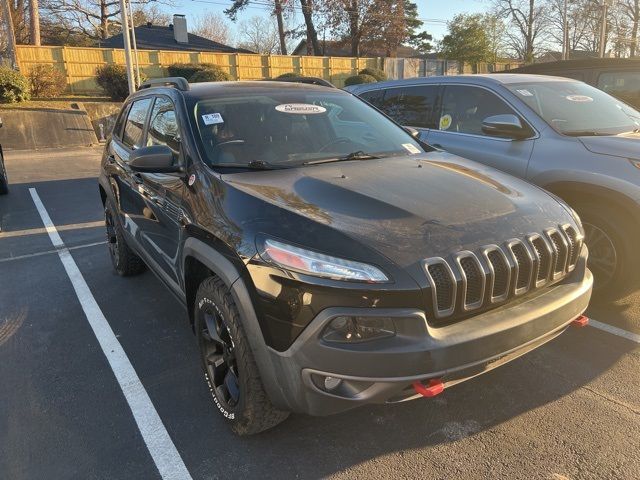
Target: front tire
(230,369)
(610,240)
(124,259)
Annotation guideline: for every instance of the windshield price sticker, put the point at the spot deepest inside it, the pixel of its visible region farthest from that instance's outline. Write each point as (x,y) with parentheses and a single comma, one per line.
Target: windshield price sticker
(411,148)
(579,98)
(300,108)
(525,93)
(212,119)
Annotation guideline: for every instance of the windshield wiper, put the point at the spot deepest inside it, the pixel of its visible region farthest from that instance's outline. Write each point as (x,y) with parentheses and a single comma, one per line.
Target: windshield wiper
(359,155)
(252,165)
(584,133)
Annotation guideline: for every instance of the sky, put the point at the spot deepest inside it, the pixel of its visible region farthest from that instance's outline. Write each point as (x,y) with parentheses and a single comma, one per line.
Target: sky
(435,13)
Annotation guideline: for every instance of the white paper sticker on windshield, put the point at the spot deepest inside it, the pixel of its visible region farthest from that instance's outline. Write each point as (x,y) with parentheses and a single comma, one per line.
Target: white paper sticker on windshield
(524,92)
(212,119)
(300,108)
(579,98)
(445,122)
(411,148)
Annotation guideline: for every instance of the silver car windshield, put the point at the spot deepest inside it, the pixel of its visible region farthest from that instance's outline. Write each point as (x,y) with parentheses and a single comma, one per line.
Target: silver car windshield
(288,129)
(577,109)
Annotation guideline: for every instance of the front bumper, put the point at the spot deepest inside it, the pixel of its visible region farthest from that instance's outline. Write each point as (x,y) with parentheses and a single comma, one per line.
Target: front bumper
(383,371)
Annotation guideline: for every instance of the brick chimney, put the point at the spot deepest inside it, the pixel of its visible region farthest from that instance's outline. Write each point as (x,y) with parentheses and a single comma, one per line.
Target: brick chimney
(180,32)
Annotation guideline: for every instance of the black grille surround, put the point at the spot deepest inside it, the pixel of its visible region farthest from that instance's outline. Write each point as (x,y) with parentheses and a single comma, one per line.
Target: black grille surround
(471,280)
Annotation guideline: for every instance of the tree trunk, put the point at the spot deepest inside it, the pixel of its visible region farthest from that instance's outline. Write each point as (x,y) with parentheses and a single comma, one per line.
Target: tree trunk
(529,39)
(11,48)
(104,20)
(34,22)
(634,30)
(312,35)
(281,34)
(354,31)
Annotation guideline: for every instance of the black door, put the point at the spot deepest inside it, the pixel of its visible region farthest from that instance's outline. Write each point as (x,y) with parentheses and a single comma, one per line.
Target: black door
(162,195)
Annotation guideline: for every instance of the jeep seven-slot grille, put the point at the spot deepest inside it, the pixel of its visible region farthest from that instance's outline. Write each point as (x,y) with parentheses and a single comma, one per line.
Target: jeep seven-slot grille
(496,273)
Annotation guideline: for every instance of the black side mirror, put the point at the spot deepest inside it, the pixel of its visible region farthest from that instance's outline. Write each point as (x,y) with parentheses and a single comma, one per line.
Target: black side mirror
(414,132)
(507,125)
(153,159)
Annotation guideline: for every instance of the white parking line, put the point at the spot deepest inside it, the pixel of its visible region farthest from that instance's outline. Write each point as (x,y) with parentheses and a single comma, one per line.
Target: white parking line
(154,434)
(634,337)
(48,252)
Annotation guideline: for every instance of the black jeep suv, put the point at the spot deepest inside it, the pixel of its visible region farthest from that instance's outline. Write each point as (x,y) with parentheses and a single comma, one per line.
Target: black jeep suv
(327,259)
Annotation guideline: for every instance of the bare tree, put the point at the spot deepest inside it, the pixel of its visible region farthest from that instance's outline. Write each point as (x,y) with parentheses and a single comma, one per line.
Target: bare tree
(631,10)
(143,14)
(213,26)
(259,35)
(528,20)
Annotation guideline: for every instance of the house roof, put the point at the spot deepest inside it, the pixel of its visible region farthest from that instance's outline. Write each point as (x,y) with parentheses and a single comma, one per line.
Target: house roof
(342,48)
(157,37)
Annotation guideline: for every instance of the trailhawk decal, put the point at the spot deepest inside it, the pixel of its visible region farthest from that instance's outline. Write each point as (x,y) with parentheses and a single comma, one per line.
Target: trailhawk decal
(300,108)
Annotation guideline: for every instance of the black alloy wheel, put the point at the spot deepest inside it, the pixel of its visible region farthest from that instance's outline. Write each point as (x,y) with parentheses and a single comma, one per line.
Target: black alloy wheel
(218,356)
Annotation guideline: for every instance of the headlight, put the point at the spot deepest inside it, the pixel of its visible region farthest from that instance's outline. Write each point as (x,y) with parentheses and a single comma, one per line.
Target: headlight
(319,265)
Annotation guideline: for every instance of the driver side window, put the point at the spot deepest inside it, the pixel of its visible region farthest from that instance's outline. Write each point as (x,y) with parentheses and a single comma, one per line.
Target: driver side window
(465,107)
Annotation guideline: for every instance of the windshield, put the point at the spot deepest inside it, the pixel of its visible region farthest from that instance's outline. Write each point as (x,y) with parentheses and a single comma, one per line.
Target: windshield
(289,128)
(574,108)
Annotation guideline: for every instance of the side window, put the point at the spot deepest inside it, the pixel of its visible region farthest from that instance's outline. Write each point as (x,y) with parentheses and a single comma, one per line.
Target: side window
(374,97)
(624,85)
(117,128)
(465,107)
(134,128)
(411,106)
(163,127)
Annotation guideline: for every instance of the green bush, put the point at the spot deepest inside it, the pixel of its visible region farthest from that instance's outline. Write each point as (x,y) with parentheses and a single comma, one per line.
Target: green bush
(358,79)
(215,74)
(290,75)
(113,80)
(376,73)
(14,87)
(187,70)
(46,81)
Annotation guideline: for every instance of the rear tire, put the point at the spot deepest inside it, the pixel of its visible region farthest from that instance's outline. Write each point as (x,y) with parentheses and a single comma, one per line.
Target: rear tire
(4,181)
(124,260)
(230,369)
(610,239)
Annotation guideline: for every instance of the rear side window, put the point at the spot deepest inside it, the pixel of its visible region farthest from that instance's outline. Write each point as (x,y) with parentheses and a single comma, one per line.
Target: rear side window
(465,107)
(411,106)
(163,127)
(134,127)
(624,85)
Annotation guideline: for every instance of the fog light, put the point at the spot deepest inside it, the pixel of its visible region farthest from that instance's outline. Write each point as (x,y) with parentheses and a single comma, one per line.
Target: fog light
(331,382)
(358,329)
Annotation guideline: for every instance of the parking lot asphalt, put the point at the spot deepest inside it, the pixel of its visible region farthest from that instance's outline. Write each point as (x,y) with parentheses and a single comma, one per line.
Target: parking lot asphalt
(570,409)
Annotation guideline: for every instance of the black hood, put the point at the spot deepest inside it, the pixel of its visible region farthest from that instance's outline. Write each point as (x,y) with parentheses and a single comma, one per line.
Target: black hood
(624,145)
(410,208)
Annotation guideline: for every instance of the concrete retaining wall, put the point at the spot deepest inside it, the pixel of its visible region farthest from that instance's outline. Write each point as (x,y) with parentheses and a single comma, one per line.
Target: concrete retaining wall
(26,129)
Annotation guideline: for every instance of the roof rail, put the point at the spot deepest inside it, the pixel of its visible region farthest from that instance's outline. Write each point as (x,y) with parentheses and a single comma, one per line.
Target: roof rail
(310,80)
(178,82)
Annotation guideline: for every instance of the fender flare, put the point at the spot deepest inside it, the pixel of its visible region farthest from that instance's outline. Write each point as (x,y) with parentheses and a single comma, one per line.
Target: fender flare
(229,274)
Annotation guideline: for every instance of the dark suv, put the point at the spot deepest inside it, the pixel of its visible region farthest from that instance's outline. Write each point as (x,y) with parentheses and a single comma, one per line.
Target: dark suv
(327,259)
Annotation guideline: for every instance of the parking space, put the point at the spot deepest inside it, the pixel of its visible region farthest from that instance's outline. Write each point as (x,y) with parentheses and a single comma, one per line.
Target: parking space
(570,409)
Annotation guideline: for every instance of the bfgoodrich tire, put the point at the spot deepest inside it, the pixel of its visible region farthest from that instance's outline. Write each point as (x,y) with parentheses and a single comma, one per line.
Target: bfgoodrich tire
(230,369)
(124,260)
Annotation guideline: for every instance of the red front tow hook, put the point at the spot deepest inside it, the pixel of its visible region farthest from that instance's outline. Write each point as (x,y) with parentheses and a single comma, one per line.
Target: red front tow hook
(434,388)
(581,321)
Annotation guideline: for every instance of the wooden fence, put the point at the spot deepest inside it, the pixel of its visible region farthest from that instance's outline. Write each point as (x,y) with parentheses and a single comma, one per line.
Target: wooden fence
(79,64)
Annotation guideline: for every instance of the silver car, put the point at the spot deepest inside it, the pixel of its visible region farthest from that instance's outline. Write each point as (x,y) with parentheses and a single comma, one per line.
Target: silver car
(570,138)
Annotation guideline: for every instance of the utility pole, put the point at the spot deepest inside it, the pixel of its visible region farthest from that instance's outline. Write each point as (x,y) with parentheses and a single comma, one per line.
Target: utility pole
(281,33)
(603,32)
(565,32)
(127,46)
(135,46)
(12,52)
(34,22)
